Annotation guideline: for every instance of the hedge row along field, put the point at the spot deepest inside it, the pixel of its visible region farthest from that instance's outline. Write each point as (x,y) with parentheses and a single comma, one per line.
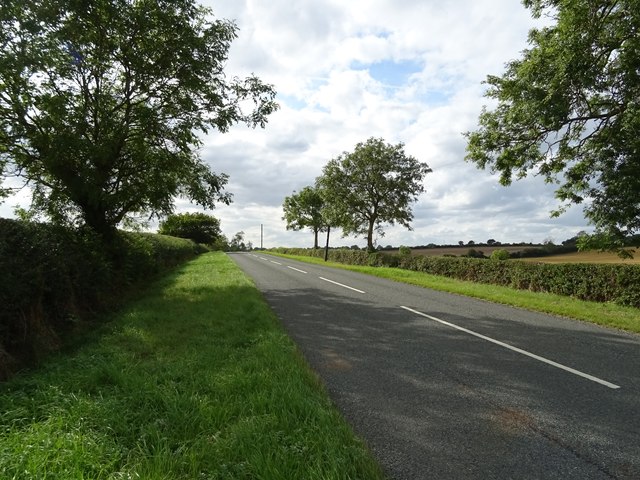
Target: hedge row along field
(51,278)
(593,282)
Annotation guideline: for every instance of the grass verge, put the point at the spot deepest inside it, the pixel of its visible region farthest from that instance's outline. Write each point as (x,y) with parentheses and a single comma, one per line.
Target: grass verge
(607,314)
(196,380)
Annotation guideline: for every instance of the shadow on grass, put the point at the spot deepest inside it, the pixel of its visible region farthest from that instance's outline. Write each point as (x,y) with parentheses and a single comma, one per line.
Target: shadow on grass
(193,380)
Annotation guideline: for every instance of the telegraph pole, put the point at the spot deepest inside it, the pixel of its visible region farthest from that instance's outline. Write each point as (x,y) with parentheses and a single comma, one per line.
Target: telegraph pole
(261,235)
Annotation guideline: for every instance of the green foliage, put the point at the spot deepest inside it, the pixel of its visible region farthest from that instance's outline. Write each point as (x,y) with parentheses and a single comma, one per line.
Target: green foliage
(339,255)
(500,254)
(199,227)
(593,282)
(220,244)
(473,253)
(237,243)
(194,380)
(404,251)
(101,107)
(53,277)
(373,185)
(603,241)
(304,210)
(544,251)
(569,109)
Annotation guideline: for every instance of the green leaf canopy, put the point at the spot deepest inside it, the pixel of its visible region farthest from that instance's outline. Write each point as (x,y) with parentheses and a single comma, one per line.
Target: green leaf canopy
(196,226)
(569,110)
(304,210)
(102,102)
(373,185)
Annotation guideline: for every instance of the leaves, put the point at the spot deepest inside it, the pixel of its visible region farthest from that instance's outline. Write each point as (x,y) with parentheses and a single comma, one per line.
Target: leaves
(196,226)
(101,106)
(568,110)
(373,185)
(305,210)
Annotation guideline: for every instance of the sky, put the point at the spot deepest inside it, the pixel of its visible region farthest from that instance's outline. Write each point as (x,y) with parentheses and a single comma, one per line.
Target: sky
(408,71)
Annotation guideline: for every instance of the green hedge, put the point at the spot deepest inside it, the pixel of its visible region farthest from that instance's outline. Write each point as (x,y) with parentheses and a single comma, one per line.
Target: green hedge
(51,277)
(586,281)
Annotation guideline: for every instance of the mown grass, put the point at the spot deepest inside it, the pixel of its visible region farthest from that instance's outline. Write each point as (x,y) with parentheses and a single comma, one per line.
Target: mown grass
(196,380)
(607,314)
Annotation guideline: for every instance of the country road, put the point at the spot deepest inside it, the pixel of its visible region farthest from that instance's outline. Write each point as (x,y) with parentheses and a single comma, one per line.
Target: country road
(446,387)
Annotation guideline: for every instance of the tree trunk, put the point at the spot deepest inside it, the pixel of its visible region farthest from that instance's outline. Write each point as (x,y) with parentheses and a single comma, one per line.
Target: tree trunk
(326,248)
(370,247)
(96,219)
(315,235)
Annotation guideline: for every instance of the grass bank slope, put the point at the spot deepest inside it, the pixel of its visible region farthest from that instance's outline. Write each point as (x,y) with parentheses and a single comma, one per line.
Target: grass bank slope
(196,380)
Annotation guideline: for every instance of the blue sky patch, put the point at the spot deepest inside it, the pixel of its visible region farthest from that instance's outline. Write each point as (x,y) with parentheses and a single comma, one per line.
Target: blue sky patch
(390,73)
(291,101)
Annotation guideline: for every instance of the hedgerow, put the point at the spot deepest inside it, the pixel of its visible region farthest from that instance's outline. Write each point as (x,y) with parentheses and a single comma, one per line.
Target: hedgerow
(52,277)
(586,281)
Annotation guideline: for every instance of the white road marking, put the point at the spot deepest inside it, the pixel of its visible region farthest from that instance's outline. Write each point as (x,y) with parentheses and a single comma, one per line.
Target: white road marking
(265,259)
(341,284)
(275,262)
(296,269)
(516,349)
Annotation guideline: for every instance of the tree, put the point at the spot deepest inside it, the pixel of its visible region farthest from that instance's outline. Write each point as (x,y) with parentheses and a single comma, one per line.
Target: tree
(304,209)
(237,243)
(102,102)
(569,111)
(199,227)
(221,243)
(500,254)
(374,184)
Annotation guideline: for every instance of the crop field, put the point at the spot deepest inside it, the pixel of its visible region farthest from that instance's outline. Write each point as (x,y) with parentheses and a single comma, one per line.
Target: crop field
(458,251)
(587,257)
(574,257)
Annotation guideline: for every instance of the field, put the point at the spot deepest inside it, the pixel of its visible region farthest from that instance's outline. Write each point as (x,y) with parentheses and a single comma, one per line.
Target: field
(587,257)
(574,257)
(458,251)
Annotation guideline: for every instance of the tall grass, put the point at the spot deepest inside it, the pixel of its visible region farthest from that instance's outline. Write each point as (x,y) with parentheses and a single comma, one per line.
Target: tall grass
(194,381)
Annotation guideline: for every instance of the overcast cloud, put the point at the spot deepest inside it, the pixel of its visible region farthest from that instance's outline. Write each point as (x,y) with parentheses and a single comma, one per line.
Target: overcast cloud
(408,71)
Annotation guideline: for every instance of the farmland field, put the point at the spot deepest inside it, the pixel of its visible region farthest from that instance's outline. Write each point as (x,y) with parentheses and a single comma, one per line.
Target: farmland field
(574,257)
(586,257)
(458,251)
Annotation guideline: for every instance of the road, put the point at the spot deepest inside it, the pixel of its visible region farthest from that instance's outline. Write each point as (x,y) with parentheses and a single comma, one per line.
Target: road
(444,386)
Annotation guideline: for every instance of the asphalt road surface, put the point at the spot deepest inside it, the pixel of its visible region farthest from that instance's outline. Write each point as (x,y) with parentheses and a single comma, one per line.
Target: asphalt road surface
(446,387)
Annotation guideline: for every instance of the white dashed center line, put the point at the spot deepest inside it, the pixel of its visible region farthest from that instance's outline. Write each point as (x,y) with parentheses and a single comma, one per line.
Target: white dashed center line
(296,269)
(341,284)
(518,350)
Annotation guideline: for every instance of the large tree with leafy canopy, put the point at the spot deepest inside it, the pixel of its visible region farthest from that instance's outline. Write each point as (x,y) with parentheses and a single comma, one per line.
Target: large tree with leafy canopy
(196,226)
(304,210)
(373,185)
(102,104)
(569,110)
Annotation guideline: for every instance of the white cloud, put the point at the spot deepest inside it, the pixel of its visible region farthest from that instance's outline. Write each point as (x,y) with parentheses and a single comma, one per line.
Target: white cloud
(405,70)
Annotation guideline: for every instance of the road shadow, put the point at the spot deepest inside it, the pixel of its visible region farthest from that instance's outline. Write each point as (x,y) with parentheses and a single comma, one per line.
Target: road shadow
(434,402)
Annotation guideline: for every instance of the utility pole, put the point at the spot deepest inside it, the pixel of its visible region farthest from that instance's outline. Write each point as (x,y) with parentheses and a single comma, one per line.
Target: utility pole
(261,235)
